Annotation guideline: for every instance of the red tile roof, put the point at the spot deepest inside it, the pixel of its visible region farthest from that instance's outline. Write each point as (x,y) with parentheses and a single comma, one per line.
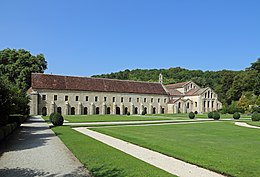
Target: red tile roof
(178,85)
(56,82)
(175,92)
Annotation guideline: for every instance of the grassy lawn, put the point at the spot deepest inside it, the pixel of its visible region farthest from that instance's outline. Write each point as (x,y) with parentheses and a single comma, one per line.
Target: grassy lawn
(219,146)
(254,123)
(185,116)
(103,160)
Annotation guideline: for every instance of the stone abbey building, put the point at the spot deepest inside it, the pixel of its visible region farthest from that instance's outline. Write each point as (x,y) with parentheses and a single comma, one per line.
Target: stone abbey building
(71,95)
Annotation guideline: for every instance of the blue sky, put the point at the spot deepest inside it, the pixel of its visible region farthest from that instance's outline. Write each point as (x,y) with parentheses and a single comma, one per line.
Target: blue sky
(87,37)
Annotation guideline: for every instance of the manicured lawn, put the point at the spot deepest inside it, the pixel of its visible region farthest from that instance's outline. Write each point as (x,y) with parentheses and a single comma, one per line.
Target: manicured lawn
(254,123)
(103,160)
(219,146)
(108,118)
(185,116)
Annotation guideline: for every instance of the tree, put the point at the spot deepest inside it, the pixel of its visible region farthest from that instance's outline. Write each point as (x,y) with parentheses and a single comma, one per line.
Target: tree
(243,102)
(17,66)
(255,66)
(257,102)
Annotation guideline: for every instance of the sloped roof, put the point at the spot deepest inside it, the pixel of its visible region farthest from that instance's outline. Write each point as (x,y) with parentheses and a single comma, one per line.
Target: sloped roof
(177,85)
(175,92)
(57,82)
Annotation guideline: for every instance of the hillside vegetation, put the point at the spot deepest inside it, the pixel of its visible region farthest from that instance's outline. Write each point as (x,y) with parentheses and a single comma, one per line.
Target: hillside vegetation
(236,89)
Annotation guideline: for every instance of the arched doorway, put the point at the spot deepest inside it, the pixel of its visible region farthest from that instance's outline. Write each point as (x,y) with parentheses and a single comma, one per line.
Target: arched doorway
(162,110)
(97,110)
(59,110)
(85,111)
(72,111)
(145,110)
(126,110)
(117,110)
(108,110)
(136,110)
(44,111)
(154,110)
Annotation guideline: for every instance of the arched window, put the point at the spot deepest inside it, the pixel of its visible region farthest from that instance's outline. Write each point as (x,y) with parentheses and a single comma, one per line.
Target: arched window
(108,110)
(136,110)
(188,105)
(117,110)
(97,110)
(126,110)
(85,110)
(145,110)
(59,110)
(44,111)
(72,111)
(154,110)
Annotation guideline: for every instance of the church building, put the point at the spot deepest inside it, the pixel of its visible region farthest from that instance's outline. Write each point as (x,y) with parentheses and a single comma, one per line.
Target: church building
(70,95)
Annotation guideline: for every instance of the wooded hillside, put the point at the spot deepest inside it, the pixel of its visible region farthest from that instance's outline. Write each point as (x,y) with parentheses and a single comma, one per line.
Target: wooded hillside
(241,88)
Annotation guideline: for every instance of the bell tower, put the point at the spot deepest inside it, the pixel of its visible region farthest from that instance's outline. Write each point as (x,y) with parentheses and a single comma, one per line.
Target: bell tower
(160,78)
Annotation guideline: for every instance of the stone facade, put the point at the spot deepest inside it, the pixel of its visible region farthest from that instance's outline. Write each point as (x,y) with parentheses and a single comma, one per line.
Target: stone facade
(78,96)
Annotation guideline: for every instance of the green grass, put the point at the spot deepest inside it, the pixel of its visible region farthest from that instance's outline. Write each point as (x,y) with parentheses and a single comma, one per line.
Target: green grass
(254,123)
(103,160)
(109,118)
(219,146)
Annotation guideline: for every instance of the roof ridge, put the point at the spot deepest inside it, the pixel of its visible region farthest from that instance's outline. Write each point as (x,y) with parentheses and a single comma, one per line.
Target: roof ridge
(98,78)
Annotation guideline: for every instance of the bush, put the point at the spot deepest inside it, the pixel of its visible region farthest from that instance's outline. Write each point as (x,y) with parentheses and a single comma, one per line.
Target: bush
(56,119)
(236,115)
(143,112)
(255,109)
(128,113)
(191,115)
(216,115)
(210,115)
(196,112)
(255,116)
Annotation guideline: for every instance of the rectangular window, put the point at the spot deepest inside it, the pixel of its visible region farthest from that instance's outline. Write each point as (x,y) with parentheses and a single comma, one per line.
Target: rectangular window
(55,97)
(77,98)
(144,99)
(137,100)
(130,99)
(122,99)
(66,98)
(151,100)
(158,100)
(196,104)
(114,99)
(43,97)
(105,99)
(96,98)
(86,98)
(165,100)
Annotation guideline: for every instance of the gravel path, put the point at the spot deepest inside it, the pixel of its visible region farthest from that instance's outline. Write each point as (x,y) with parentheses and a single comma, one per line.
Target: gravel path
(243,124)
(34,150)
(169,164)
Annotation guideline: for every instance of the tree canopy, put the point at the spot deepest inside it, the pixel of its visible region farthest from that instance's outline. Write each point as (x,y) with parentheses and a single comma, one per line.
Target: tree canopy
(17,66)
(230,85)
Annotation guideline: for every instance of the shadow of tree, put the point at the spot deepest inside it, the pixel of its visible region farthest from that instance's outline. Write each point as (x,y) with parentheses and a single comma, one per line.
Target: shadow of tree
(26,137)
(104,172)
(27,172)
(11,172)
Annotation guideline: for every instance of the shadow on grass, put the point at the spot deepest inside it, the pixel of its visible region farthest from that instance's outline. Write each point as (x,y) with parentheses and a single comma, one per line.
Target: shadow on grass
(104,172)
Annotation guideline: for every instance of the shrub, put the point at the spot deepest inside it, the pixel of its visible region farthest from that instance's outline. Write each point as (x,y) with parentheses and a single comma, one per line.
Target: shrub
(210,115)
(2,135)
(143,112)
(236,115)
(196,112)
(128,113)
(216,115)
(191,115)
(255,116)
(56,119)
(255,109)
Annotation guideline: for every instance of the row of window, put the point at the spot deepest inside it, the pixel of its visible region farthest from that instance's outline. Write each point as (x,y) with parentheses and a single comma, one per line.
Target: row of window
(66,98)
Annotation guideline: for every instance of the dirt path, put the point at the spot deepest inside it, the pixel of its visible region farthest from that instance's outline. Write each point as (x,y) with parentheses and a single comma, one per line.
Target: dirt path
(34,150)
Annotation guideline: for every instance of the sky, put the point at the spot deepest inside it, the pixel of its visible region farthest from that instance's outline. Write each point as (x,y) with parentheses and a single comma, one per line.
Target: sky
(89,37)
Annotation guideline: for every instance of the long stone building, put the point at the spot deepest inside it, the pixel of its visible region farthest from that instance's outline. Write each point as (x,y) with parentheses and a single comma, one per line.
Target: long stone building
(71,95)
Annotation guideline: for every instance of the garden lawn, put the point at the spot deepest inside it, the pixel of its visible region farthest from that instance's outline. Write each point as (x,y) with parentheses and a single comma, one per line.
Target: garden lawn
(109,118)
(102,160)
(254,123)
(218,146)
